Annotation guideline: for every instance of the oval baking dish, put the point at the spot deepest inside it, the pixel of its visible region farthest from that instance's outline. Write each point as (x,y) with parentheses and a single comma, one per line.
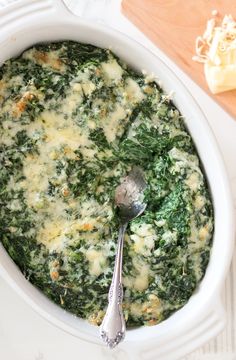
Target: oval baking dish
(24,24)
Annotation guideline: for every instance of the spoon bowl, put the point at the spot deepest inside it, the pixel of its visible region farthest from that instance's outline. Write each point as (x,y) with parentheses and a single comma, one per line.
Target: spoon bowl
(129,195)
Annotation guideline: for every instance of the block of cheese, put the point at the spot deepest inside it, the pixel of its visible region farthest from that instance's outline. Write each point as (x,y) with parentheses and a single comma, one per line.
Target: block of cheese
(220,78)
(217,50)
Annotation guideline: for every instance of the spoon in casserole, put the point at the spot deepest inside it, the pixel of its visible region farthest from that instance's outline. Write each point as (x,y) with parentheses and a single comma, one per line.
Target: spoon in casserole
(129,200)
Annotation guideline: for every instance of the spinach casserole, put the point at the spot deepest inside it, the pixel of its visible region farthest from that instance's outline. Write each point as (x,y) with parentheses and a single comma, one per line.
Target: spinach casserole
(74,120)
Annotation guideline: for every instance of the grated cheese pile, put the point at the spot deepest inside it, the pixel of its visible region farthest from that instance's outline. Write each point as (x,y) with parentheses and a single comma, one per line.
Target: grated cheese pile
(216,48)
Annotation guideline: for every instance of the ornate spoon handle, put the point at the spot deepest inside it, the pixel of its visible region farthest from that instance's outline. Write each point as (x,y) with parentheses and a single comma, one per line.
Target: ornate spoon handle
(112,329)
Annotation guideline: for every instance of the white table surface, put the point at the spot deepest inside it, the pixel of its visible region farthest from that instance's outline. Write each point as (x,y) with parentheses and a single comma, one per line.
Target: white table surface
(24,335)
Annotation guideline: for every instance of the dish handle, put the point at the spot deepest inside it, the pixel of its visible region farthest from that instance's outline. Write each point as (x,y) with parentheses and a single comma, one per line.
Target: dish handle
(185,338)
(14,13)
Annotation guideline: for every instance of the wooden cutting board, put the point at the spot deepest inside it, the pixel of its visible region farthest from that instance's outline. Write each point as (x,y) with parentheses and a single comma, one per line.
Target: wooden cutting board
(173,26)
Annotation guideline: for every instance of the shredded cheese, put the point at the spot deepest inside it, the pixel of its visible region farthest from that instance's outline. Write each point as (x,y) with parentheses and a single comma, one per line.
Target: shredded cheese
(216,48)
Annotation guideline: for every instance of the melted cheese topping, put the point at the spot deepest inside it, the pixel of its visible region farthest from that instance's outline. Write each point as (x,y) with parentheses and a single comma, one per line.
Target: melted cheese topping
(199,202)
(47,59)
(66,132)
(193,181)
(143,245)
(133,91)
(141,282)
(58,130)
(60,136)
(112,70)
(144,238)
(97,261)
(151,307)
(112,123)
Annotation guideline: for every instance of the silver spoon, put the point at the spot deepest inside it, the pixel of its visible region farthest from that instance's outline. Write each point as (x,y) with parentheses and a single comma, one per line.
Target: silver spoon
(129,199)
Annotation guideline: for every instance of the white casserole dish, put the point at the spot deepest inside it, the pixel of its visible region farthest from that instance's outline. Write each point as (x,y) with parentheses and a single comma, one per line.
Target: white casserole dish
(25,23)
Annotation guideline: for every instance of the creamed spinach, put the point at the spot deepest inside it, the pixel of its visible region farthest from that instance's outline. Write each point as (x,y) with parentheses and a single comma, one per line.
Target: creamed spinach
(74,120)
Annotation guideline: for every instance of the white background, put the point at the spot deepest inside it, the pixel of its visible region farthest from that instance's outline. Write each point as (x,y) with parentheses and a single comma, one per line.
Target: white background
(24,335)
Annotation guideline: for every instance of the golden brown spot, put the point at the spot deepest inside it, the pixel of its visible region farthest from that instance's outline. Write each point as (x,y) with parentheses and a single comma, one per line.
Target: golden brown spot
(98,72)
(65,192)
(41,56)
(57,64)
(152,322)
(54,275)
(22,103)
(44,58)
(87,227)
(70,153)
(203,233)
(54,270)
